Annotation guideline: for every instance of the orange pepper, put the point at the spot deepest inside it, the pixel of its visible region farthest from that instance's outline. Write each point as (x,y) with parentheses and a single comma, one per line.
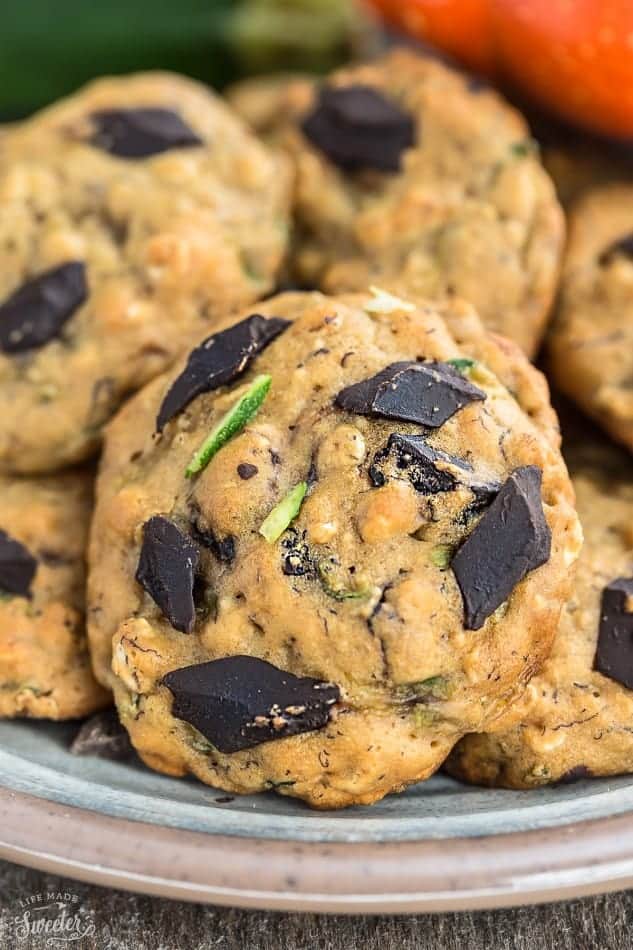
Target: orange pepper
(575,57)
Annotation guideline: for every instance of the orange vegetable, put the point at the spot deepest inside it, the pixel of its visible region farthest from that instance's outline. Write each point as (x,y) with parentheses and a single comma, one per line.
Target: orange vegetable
(460,27)
(573,56)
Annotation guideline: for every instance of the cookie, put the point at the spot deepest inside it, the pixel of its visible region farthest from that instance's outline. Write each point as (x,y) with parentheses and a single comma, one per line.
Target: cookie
(45,667)
(413,176)
(591,338)
(574,719)
(133,214)
(293,586)
(266,102)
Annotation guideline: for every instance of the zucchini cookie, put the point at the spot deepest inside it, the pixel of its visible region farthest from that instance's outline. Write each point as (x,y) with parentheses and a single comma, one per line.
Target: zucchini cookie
(45,667)
(133,214)
(410,175)
(591,338)
(267,102)
(348,545)
(574,719)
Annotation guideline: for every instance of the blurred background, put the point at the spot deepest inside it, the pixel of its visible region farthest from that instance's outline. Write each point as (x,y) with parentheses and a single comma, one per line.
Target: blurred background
(569,58)
(49,48)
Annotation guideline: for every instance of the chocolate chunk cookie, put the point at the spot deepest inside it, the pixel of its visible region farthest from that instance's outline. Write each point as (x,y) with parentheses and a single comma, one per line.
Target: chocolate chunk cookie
(591,339)
(337,557)
(409,175)
(574,719)
(133,214)
(266,102)
(44,663)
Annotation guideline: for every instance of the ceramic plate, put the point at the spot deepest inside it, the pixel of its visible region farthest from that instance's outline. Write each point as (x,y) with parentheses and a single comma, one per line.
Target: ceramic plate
(439,846)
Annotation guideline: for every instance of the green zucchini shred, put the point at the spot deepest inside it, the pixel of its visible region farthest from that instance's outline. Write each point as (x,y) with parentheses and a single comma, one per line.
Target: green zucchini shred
(461,363)
(338,591)
(441,556)
(283,514)
(232,422)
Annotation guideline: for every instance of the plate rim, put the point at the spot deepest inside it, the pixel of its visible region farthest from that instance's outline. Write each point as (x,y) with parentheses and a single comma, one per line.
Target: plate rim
(429,875)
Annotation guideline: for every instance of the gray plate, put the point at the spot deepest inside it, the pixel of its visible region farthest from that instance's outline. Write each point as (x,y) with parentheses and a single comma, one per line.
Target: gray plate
(34,761)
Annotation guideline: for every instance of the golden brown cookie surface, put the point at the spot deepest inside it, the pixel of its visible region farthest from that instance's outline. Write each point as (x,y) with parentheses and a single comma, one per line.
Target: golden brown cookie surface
(591,337)
(44,663)
(266,102)
(464,208)
(133,213)
(573,721)
(327,538)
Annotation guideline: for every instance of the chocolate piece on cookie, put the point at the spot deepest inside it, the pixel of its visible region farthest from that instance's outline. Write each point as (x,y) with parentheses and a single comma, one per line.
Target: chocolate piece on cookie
(357,127)
(166,570)
(239,702)
(139,133)
(429,470)
(219,360)
(35,313)
(511,539)
(426,393)
(614,650)
(17,567)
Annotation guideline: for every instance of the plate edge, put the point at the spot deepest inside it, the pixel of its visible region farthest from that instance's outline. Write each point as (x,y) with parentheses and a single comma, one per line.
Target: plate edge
(393,877)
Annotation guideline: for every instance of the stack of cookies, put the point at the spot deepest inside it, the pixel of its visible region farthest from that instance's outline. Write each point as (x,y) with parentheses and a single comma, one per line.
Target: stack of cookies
(134,216)
(333,540)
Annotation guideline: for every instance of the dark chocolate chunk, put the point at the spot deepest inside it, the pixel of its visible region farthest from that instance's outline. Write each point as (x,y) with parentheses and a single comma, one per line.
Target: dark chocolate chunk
(614,650)
(512,539)
(426,393)
(297,559)
(246,470)
(429,470)
(166,570)
(139,133)
(412,454)
(375,472)
(103,735)
(222,548)
(36,312)
(357,127)
(621,247)
(17,567)
(220,359)
(484,493)
(241,701)
(577,774)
